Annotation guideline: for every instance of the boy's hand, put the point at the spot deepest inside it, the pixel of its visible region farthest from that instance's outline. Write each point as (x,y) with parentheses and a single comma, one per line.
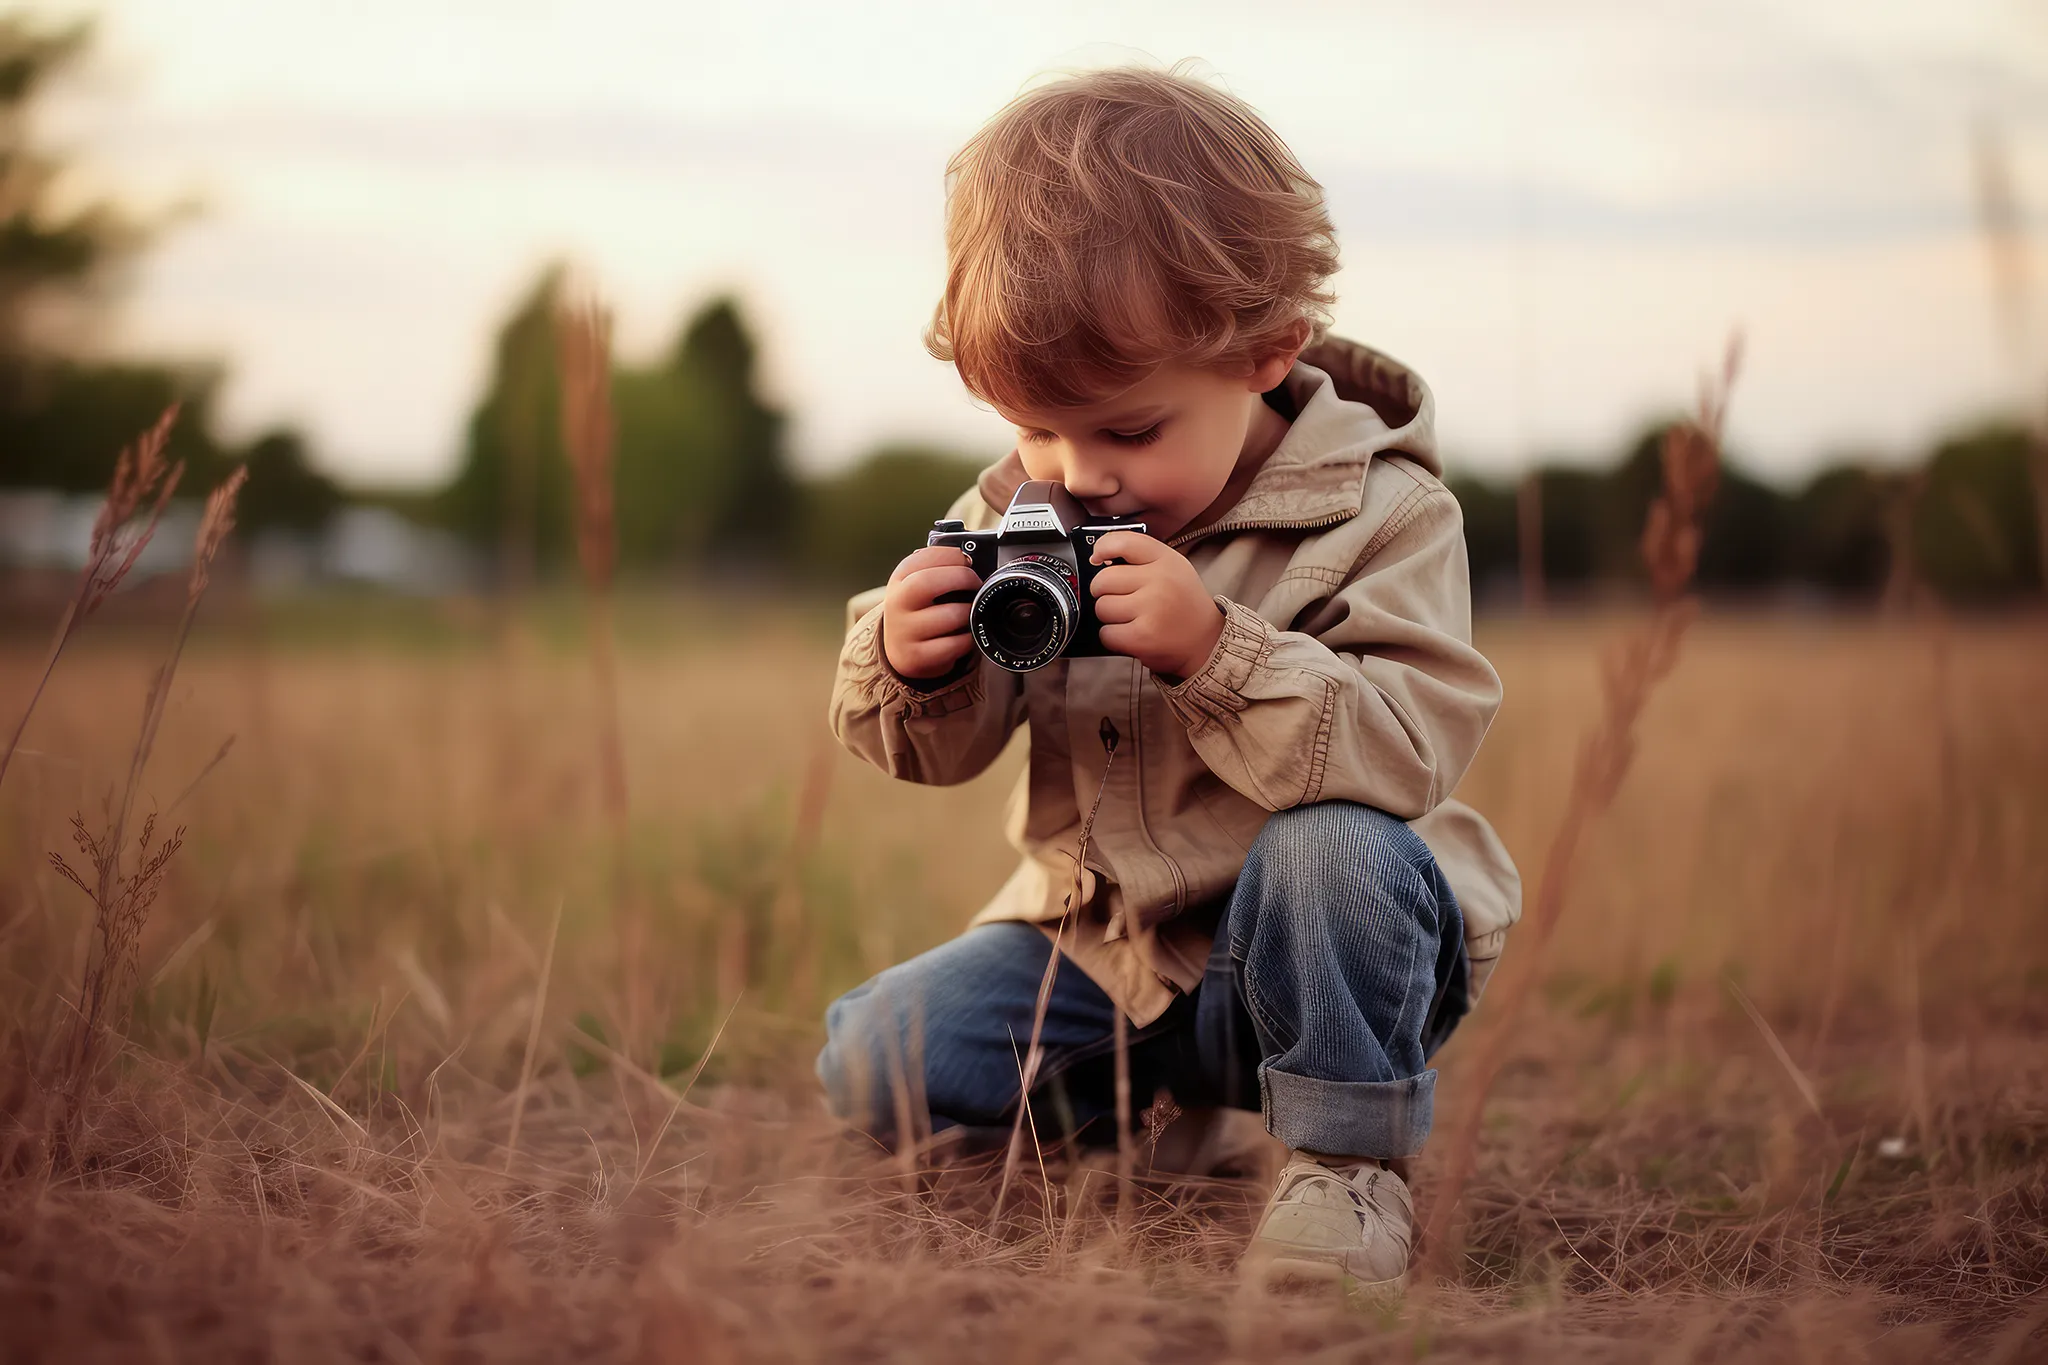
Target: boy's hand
(921,637)
(1153,606)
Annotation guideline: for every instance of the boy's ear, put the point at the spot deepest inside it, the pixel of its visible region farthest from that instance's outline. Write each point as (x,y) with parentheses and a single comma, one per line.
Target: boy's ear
(1268,373)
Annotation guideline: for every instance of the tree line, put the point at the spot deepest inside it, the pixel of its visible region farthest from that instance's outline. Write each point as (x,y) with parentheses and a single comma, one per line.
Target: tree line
(705,484)
(64,416)
(1963,522)
(703,479)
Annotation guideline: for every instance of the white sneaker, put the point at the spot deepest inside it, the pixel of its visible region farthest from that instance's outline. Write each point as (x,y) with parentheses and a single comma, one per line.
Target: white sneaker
(1331,1225)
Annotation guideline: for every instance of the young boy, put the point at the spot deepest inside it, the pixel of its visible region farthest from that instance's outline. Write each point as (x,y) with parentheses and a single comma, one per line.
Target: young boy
(1277,893)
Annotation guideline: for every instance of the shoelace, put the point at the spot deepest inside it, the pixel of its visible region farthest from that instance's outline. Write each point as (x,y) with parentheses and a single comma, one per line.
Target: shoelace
(1371,1220)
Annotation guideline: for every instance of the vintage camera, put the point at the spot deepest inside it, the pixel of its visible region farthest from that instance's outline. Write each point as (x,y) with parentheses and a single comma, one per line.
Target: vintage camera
(1034,604)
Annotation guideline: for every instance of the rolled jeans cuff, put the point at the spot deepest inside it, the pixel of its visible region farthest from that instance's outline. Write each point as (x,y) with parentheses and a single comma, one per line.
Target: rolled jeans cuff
(1348,1118)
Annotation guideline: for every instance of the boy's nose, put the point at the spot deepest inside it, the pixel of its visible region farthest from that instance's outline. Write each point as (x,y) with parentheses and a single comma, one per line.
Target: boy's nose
(1090,483)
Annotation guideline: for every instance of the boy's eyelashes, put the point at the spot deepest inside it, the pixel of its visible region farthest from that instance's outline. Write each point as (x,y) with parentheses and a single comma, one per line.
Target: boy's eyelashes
(1129,438)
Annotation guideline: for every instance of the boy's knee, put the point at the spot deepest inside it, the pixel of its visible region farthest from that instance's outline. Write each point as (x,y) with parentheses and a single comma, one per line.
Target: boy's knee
(854,1057)
(1335,839)
(1332,853)
(921,1032)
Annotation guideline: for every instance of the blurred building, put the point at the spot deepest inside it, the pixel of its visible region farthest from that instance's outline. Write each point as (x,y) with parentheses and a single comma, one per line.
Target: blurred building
(43,530)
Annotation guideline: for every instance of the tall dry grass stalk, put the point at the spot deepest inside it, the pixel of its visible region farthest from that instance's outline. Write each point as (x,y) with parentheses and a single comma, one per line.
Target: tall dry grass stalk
(1529,539)
(143,484)
(583,350)
(1630,672)
(121,900)
(2004,230)
(1034,1053)
(787,913)
(540,1005)
(583,355)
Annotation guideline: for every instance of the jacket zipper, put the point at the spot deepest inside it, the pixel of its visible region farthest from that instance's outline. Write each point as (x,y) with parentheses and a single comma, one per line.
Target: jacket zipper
(1253,525)
(1137,724)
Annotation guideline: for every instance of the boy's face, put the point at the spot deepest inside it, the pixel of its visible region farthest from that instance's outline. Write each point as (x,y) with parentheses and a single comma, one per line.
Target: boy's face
(1164,450)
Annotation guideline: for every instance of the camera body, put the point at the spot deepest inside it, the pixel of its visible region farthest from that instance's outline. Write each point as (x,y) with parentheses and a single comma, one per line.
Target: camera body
(1035,603)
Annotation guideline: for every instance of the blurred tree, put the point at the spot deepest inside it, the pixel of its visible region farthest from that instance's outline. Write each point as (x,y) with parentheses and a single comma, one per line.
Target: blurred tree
(52,259)
(284,491)
(64,418)
(671,481)
(1490,533)
(1747,547)
(513,488)
(752,492)
(859,522)
(1974,534)
(62,422)
(701,476)
(65,421)
(1579,542)
(1838,537)
(1748,527)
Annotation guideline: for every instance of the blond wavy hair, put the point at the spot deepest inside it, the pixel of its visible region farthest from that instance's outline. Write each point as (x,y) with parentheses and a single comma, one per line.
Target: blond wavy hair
(1110,222)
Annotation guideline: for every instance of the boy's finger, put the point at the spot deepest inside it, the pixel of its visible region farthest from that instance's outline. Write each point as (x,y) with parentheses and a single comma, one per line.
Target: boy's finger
(931,556)
(1119,639)
(927,585)
(1134,547)
(1116,610)
(1116,580)
(938,620)
(929,658)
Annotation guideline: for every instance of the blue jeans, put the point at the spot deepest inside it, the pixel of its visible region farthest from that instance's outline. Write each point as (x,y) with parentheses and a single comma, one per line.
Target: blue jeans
(1339,967)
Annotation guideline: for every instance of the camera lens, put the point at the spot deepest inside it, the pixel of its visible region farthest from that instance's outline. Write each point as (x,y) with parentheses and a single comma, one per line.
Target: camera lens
(1024,616)
(1026,623)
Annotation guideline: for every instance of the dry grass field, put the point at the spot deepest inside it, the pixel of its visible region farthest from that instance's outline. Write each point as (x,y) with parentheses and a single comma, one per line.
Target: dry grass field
(1783,1094)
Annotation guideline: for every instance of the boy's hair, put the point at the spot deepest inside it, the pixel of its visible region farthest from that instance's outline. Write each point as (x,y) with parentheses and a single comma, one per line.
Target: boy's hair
(1109,222)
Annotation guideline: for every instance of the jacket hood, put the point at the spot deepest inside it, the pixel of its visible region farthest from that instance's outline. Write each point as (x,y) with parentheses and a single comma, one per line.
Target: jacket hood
(1350,404)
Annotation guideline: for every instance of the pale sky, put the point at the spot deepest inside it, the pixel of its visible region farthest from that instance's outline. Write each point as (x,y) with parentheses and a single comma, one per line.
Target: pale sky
(1555,212)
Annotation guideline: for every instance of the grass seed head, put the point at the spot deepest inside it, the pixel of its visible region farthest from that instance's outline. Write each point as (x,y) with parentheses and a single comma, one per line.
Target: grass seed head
(583,349)
(1675,527)
(122,530)
(215,526)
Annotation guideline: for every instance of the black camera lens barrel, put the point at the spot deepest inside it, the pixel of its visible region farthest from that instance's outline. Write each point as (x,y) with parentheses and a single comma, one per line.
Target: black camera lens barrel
(1026,614)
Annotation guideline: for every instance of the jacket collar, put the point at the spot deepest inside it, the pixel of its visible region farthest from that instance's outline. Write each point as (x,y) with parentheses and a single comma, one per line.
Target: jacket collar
(1350,404)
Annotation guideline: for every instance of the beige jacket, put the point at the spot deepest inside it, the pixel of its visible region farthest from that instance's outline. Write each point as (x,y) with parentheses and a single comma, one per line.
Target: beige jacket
(1345,672)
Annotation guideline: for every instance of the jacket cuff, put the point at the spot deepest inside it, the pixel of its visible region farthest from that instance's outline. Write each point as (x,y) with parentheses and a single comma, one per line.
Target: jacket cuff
(1215,692)
(866,667)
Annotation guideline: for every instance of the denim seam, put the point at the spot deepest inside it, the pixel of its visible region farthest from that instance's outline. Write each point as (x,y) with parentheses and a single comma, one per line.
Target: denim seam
(1361,1110)
(1259,1013)
(1408,988)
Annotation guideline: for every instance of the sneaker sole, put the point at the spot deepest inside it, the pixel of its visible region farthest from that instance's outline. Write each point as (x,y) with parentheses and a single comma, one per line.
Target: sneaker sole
(1295,1275)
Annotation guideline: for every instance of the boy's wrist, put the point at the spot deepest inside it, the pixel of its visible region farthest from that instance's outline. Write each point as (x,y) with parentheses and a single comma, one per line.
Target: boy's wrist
(960,668)
(1214,692)
(934,684)
(1202,649)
